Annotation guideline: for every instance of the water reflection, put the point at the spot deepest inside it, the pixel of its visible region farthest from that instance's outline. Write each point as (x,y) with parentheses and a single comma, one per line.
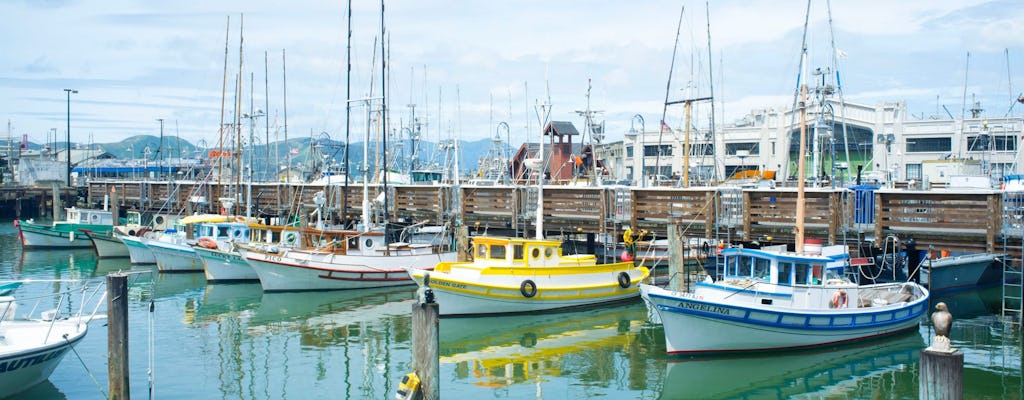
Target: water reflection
(352,342)
(783,375)
(515,356)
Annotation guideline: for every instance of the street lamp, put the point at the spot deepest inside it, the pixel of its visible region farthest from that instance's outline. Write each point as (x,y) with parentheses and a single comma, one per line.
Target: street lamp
(69,92)
(638,117)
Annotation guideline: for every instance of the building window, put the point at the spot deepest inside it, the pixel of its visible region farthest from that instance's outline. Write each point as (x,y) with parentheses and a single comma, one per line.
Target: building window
(990,143)
(929,145)
(913,171)
(629,151)
(652,151)
(753,147)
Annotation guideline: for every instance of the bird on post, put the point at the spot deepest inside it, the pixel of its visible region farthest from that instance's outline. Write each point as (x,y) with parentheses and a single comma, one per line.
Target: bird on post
(942,320)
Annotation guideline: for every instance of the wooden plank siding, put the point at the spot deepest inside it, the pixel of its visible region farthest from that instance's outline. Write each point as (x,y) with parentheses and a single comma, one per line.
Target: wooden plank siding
(489,206)
(692,208)
(964,221)
(773,213)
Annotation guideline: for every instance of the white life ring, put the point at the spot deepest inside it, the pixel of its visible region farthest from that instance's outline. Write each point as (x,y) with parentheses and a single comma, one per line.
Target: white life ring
(94,218)
(290,238)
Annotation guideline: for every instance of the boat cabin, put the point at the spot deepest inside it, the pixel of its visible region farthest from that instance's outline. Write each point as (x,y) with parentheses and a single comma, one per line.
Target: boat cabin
(525,252)
(223,231)
(775,266)
(89,216)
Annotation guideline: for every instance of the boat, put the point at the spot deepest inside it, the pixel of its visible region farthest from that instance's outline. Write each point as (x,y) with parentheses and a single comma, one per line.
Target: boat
(66,233)
(137,251)
(223,263)
(516,275)
(106,244)
(173,249)
(959,272)
(32,347)
(341,259)
(772,299)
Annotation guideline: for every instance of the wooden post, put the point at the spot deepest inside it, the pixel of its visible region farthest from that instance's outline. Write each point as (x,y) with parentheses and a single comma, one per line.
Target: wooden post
(676,269)
(117,335)
(462,243)
(425,343)
(56,201)
(942,375)
(115,206)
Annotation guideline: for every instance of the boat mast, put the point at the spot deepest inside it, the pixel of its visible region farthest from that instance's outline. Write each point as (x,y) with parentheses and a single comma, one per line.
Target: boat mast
(223,100)
(348,110)
(801,200)
(543,117)
(668,87)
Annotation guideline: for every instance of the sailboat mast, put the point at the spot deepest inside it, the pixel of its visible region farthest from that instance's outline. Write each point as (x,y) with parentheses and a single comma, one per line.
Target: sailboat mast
(384,115)
(223,100)
(238,105)
(348,109)
(801,200)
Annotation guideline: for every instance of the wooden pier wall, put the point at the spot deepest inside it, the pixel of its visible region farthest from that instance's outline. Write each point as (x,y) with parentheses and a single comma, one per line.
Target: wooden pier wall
(946,219)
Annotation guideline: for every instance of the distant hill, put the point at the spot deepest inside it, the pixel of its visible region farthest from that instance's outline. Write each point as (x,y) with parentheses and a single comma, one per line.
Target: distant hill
(302,154)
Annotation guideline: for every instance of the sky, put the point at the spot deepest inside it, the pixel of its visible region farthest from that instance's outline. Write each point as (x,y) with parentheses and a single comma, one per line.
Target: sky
(469,65)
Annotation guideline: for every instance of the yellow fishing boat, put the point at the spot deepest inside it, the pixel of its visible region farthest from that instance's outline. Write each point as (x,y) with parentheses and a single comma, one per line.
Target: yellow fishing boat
(514,275)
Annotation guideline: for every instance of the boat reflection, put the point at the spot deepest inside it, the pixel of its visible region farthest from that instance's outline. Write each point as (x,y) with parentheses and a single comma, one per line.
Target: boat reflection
(784,375)
(56,264)
(497,352)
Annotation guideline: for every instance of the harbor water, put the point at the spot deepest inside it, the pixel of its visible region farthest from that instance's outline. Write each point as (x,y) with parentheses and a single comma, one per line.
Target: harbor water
(193,340)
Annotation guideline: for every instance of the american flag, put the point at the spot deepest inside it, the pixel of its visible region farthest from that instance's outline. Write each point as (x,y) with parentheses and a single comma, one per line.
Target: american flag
(295,151)
(665,127)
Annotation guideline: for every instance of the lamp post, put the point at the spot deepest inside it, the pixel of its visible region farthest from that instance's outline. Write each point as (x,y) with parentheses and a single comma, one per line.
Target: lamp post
(69,92)
(641,155)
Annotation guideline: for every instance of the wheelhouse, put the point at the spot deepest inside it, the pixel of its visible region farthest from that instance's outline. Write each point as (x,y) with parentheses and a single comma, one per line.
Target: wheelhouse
(775,266)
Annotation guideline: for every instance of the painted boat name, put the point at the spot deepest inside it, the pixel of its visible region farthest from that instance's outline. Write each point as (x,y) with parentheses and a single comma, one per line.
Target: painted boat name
(704,308)
(13,365)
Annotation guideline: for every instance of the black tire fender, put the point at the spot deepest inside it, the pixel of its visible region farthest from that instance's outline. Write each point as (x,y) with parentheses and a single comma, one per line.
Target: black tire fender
(624,280)
(528,288)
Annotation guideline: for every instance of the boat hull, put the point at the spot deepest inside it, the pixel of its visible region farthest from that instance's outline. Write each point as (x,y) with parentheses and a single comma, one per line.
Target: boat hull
(137,251)
(696,326)
(297,270)
(960,272)
(224,266)
(511,294)
(22,369)
(65,237)
(173,257)
(108,246)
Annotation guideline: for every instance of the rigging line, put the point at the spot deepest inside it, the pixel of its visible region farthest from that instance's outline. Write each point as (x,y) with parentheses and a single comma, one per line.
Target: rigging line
(668,87)
(87,371)
(839,88)
(799,79)
(711,88)
(963,100)
(1009,83)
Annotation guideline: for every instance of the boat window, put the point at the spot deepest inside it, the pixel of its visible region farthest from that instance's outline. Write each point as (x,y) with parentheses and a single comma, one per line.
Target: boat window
(833,273)
(481,251)
(497,252)
(517,252)
(222,231)
(535,253)
(801,274)
(548,252)
(815,274)
(762,269)
(744,267)
(785,272)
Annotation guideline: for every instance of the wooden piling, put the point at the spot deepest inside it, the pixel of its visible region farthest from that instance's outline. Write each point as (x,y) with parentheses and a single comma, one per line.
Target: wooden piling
(942,375)
(462,243)
(56,201)
(115,206)
(676,267)
(425,343)
(117,336)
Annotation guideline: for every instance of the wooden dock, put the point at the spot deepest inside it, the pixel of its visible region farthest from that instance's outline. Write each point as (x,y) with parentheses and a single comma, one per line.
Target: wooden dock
(947,219)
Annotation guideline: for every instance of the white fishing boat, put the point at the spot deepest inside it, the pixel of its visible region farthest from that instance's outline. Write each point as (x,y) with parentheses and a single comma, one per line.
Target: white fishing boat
(221,260)
(65,233)
(137,251)
(173,249)
(106,244)
(341,259)
(31,347)
(771,299)
(513,275)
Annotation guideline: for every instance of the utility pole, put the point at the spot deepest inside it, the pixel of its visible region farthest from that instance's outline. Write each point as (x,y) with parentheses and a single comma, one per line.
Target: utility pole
(69,92)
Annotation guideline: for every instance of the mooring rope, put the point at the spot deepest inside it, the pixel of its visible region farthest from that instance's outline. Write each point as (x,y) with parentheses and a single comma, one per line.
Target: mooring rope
(87,371)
